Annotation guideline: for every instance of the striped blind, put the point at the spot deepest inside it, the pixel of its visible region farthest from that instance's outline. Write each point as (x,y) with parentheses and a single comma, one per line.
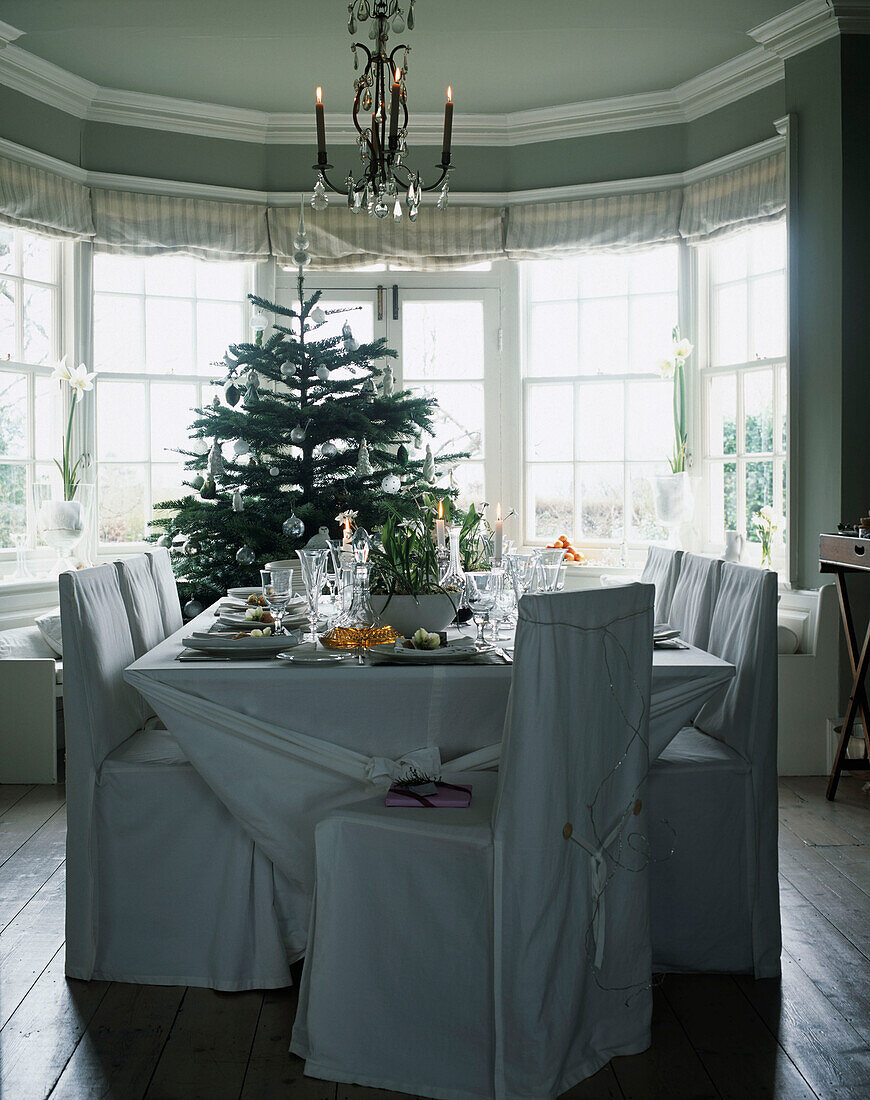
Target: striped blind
(42,201)
(733,201)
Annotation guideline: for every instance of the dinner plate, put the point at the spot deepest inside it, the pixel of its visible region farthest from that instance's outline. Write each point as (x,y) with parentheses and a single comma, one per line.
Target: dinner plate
(243,593)
(237,618)
(453,651)
(320,657)
(267,646)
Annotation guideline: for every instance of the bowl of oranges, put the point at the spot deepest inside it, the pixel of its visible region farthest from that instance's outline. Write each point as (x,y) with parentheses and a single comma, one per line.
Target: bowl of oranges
(572,556)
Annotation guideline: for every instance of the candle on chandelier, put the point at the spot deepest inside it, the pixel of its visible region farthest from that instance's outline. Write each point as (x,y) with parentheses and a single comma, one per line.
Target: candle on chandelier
(321,124)
(439,527)
(448,127)
(499,535)
(394,109)
(346,539)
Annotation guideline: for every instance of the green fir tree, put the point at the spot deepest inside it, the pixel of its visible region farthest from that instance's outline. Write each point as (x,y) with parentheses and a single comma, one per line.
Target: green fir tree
(289,431)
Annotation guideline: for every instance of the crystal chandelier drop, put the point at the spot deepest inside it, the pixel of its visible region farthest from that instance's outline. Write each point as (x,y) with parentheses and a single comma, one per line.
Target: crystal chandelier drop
(380,115)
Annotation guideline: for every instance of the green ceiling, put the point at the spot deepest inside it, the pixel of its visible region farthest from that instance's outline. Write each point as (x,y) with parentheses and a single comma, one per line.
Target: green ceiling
(499,56)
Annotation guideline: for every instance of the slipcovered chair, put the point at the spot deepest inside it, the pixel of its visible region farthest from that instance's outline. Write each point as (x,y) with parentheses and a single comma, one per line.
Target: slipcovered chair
(712,800)
(163,886)
(167,589)
(694,597)
(662,569)
(502,950)
(140,602)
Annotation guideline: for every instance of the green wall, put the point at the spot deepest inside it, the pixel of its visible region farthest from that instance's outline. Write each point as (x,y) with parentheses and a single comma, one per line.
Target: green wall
(36,126)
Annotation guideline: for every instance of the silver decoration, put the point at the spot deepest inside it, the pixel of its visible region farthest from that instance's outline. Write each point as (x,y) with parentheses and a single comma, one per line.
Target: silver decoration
(215,460)
(165,541)
(245,555)
(293,527)
(387,381)
(317,315)
(274,471)
(319,197)
(192,608)
(299,433)
(363,462)
(350,344)
(391,483)
(198,482)
(328,450)
(323,373)
(241,447)
(428,465)
(238,505)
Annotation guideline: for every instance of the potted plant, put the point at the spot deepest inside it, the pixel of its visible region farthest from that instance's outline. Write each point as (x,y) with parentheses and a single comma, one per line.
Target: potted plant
(671,492)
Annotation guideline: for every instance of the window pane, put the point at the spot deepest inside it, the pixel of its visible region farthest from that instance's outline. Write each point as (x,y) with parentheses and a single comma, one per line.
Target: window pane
(601,501)
(553,339)
(652,323)
(767,248)
(37,257)
(758,411)
(469,477)
(170,276)
(600,421)
(168,336)
(729,325)
(442,340)
(48,426)
(13,415)
(218,280)
(13,503)
(783,407)
(7,250)
(722,415)
(768,317)
(171,416)
(603,275)
(552,280)
(653,272)
(120,421)
(119,274)
(218,325)
(119,338)
(723,500)
(7,320)
(759,491)
(458,421)
(604,336)
(38,323)
(550,496)
(550,427)
(729,259)
(167,483)
(644,525)
(650,420)
(122,503)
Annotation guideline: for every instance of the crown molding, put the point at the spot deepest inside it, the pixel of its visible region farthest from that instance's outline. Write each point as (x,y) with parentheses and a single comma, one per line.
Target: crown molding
(8,34)
(853,17)
(798,29)
(41,80)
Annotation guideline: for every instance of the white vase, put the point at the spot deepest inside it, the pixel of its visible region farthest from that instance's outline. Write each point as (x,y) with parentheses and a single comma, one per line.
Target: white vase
(61,523)
(672,496)
(407,614)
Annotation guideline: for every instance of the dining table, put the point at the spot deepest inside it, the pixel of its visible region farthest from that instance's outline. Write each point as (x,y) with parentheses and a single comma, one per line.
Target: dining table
(282,745)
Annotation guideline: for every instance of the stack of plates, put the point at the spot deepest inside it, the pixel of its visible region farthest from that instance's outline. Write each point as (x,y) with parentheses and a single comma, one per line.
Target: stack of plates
(395,653)
(231,611)
(239,648)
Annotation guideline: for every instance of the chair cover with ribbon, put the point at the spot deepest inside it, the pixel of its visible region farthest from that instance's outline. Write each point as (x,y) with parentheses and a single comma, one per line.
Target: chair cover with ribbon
(167,589)
(163,886)
(713,802)
(140,600)
(694,597)
(662,569)
(501,951)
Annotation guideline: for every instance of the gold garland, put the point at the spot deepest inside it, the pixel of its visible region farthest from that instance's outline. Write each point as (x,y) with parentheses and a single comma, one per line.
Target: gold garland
(351,637)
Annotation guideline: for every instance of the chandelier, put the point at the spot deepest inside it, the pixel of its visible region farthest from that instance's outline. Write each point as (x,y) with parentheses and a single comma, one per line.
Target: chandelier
(380,115)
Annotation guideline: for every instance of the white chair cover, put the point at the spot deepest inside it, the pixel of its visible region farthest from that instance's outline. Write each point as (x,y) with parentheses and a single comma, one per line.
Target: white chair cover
(167,589)
(694,598)
(501,951)
(662,569)
(141,603)
(716,900)
(162,885)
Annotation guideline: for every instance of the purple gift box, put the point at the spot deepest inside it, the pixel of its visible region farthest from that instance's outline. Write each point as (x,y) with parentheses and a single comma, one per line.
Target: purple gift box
(446,795)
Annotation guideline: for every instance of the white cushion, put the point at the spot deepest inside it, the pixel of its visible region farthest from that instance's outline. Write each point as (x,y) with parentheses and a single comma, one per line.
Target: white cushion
(49,628)
(786,639)
(24,642)
(693,749)
(147,746)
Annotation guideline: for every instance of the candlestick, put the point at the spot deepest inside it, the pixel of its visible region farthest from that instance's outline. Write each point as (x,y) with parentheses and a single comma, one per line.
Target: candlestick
(321,125)
(346,539)
(394,109)
(499,537)
(440,535)
(448,127)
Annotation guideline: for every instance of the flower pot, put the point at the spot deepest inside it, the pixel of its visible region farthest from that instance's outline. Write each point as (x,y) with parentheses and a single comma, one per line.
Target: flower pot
(61,523)
(672,496)
(433,612)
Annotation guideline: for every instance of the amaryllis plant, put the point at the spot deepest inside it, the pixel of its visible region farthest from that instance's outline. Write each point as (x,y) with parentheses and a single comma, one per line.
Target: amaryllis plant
(78,379)
(675,368)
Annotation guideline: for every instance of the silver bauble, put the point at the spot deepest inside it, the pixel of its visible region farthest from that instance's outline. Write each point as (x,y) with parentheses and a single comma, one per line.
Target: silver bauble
(317,315)
(245,555)
(323,373)
(293,527)
(165,541)
(328,450)
(274,471)
(192,608)
(198,482)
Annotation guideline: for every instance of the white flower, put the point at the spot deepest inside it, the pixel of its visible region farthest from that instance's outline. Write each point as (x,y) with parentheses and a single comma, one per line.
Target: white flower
(764,519)
(348,515)
(683,349)
(78,379)
(666,368)
(61,372)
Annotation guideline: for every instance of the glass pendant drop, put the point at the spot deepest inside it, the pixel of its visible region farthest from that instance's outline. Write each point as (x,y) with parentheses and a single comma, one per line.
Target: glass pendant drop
(397,211)
(319,199)
(444,197)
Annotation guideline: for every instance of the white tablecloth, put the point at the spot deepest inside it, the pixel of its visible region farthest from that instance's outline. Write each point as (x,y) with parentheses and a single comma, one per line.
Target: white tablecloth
(281,746)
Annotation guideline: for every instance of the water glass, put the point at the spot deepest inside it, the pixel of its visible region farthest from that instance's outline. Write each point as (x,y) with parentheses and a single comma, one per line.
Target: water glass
(313,566)
(521,572)
(482,591)
(549,563)
(277,588)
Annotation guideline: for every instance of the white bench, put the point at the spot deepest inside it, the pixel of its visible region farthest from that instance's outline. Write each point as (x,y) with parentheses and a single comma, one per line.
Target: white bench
(31,691)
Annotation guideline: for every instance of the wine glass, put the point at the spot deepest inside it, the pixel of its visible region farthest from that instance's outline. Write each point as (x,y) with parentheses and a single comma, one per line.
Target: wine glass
(277,588)
(313,565)
(521,572)
(549,563)
(482,593)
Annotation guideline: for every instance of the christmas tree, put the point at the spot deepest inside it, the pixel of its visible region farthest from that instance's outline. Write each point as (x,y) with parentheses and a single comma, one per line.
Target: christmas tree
(307,429)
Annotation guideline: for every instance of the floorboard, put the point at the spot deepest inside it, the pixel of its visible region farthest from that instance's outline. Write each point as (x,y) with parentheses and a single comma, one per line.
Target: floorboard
(804,1036)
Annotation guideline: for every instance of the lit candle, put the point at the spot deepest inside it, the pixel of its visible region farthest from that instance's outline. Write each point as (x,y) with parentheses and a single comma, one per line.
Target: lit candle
(321,126)
(345,542)
(448,127)
(394,109)
(499,535)
(439,527)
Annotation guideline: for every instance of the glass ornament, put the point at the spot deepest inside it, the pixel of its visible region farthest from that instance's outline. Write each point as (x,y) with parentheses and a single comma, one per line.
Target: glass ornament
(238,503)
(259,322)
(192,608)
(232,394)
(412,213)
(274,471)
(328,450)
(240,447)
(319,198)
(317,315)
(198,482)
(444,197)
(293,527)
(381,209)
(397,211)
(165,541)
(245,555)
(323,373)
(208,490)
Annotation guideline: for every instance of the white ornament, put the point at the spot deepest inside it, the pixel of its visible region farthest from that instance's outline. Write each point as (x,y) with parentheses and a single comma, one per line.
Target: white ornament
(317,315)
(428,465)
(238,506)
(387,382)
(347,338)
(320,541)
(274,471)
(240,447)
(391,484)
(288,369)
(328,450)
(363,463)
(323,373)
(215,460)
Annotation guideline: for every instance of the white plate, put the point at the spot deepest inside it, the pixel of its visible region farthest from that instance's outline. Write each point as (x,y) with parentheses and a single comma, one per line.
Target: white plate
(453,651)
(243,593)
(268,645)
(321,657)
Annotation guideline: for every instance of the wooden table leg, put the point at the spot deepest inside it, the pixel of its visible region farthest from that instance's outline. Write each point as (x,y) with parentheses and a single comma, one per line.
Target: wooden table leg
(858,697)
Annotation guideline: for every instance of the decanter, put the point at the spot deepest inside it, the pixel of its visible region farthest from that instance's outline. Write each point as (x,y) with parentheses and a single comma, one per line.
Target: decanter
(453,578)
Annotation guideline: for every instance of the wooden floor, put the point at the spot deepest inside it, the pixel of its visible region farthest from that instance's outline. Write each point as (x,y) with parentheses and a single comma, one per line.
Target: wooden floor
(807,1035)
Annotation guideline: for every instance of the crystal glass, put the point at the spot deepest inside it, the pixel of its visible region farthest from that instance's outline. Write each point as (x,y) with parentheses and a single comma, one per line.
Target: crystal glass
(482,590)
(313,566)
(504,614)
(453,579)
(563,576)
(277,589)
(521,573)
(22,571)
(549,563)
(62,523)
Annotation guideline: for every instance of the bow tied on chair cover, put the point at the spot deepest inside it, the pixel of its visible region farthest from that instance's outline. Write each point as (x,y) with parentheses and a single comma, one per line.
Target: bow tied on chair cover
(598,868)
(383,771)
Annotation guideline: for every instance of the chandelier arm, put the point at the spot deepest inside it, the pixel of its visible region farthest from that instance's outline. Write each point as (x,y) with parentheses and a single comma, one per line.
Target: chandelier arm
(328,181)
(445,168)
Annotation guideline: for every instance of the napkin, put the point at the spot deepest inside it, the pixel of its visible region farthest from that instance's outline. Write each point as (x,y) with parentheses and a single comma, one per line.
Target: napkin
(446,795)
